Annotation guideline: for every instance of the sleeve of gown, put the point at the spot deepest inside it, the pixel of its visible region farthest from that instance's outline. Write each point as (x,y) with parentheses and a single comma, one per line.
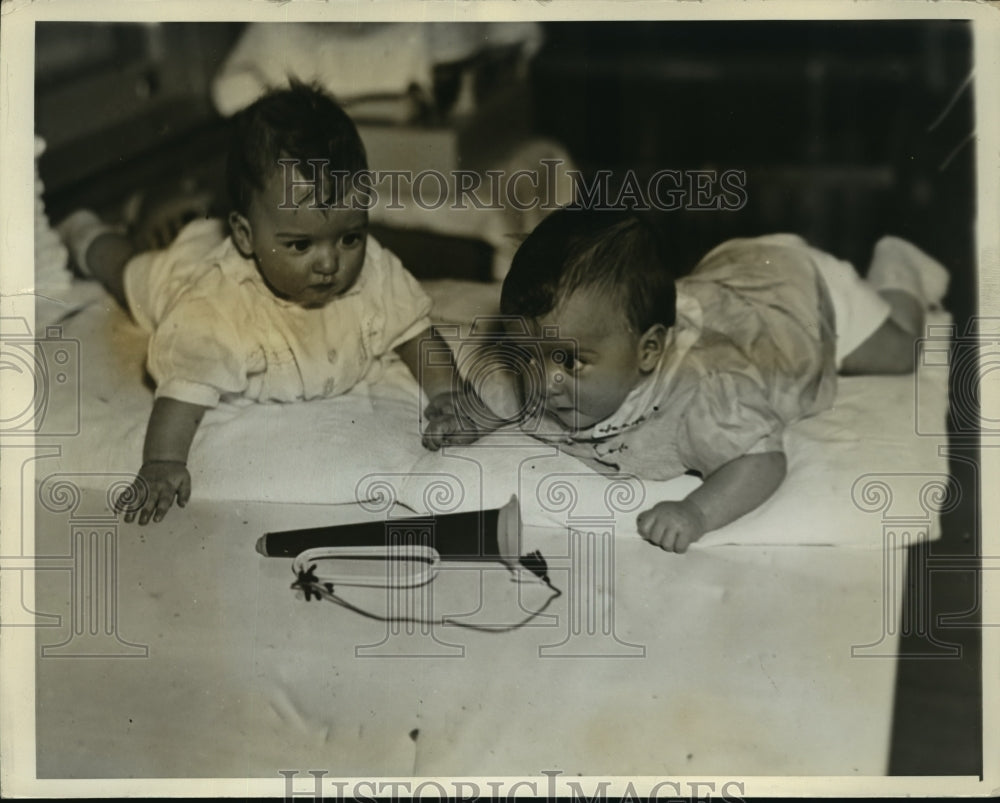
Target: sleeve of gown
(728,416)
(197,354)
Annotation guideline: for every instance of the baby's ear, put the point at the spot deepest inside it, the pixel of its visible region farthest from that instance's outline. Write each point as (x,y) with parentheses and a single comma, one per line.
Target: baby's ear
(651,345)
(242,233)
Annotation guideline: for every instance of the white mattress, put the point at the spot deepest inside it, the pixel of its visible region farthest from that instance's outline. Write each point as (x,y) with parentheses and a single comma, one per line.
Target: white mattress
(742,657)
(883,435)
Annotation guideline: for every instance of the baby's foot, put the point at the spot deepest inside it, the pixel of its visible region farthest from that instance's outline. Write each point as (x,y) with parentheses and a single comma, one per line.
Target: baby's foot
(156,218)
(899,265)
(78,232)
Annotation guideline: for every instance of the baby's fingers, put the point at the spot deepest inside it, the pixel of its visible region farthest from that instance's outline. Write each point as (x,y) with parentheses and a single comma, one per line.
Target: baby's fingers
(659,530)
(667,537)
(146,513)
(163,505)
(159,502)
(131,500)
(435,434)
(652,525)
(448,431)
(440,407)
(184,491)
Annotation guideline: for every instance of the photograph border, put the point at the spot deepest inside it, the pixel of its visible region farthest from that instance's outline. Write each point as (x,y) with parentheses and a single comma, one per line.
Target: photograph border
(17,648)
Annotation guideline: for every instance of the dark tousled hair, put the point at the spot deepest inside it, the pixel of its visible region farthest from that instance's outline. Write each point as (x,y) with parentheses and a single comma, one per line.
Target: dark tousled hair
(301,122)
(613,252)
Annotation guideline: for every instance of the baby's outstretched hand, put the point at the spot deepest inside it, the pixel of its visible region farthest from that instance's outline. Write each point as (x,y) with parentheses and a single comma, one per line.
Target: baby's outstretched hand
(451,420)
(672,526)
(153,491)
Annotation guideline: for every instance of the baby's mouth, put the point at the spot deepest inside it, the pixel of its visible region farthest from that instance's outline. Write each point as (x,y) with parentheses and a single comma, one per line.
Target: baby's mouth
(327,286)
(318,295)
(334,284)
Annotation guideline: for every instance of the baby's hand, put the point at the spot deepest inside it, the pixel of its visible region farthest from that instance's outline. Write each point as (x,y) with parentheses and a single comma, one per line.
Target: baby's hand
(153,492)
(450,422)
(672,526)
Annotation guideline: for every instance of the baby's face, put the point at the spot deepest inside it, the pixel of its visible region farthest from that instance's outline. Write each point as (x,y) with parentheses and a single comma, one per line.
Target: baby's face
(590,385)
(309,256)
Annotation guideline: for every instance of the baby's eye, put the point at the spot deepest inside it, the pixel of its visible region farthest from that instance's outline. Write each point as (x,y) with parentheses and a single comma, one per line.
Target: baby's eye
(570,362)
(298,245)
(352,239)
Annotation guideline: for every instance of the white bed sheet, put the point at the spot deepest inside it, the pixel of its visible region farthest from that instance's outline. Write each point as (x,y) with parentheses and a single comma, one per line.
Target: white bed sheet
(762,658)
(726,660)
(884,433)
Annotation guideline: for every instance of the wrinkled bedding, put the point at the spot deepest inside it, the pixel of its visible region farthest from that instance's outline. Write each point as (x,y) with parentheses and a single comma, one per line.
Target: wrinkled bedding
(344,450)
(768,658)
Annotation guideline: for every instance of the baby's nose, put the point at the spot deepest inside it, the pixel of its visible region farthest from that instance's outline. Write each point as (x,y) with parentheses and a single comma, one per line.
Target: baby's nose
(327,262)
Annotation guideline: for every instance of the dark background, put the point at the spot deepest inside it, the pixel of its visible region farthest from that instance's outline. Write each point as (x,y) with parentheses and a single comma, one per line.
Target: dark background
(846,131)
(829,120)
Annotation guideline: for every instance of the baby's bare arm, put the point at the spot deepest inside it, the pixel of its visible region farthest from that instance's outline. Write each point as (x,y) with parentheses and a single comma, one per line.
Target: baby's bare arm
(733,490)
(738,487)
(164,475)
(437,376)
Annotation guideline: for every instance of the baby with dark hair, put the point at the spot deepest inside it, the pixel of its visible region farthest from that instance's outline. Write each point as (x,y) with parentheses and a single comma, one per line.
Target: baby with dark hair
(614,254)
(297,301)
(656,378)
(300,126)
